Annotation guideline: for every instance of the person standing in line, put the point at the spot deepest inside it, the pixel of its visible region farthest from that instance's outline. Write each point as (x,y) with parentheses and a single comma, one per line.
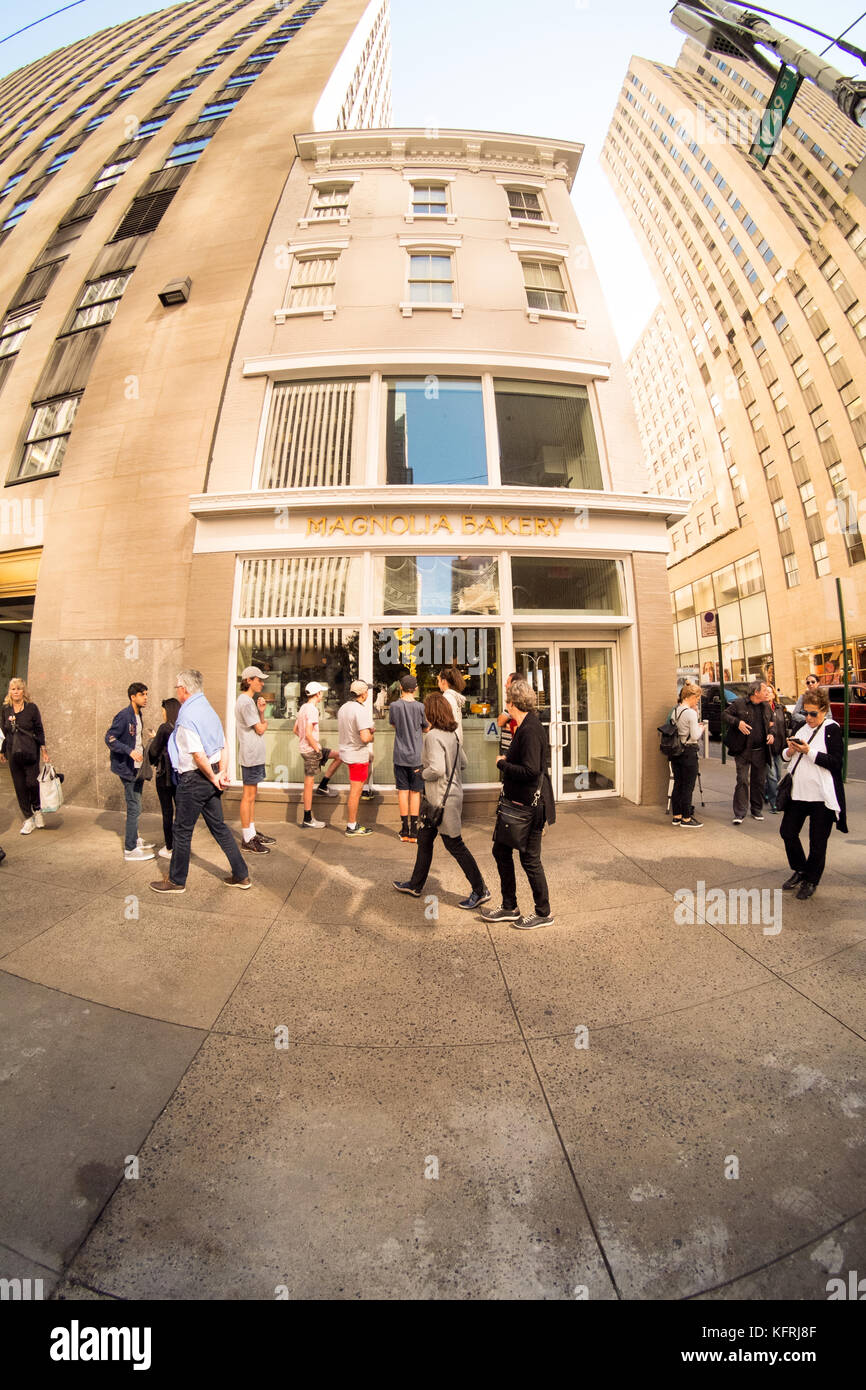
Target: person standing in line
(197,750)
(452,685)
(685,767)
(798,718)
(355,725)
(410,722)
(444,759)
(780,727)
(158,757)
(251,725)
(23,736)
(507,725)
(525,776)
(817,793)
(750,739)
(314,755)
(125,744)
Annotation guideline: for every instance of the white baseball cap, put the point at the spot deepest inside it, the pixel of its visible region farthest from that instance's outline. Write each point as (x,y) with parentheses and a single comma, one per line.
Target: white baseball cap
(251,672)
(314,688)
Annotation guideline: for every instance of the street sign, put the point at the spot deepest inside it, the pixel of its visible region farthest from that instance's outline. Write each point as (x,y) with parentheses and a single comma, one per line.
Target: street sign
(708,624)
(775,115)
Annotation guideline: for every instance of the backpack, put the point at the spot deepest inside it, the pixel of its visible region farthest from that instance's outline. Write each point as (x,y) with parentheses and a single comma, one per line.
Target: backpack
(670,743)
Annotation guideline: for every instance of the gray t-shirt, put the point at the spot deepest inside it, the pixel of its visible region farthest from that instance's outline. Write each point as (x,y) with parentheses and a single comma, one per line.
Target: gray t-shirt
(251,745)
(408,718)
(351,718)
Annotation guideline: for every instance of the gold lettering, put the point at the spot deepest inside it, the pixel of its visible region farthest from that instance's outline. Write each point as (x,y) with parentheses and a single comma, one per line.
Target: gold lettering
(525,525)
(443,524)
(358,525)
(488,525)
(338,524)
(540,526)
(316,524)
(468,525)
(556,522)
(381,522)
(392,525)
(506,523)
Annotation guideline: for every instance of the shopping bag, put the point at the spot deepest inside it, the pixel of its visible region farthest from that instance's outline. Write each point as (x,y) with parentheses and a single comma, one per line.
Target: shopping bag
(50,790)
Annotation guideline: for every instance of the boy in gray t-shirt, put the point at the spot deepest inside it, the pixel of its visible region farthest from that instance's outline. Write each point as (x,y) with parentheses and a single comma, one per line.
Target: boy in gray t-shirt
(410,722)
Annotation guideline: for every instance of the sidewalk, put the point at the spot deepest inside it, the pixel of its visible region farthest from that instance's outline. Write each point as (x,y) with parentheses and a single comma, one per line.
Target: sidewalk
(434,1127)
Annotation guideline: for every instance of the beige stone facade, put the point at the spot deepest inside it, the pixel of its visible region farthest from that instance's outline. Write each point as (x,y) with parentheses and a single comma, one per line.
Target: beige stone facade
(763,323)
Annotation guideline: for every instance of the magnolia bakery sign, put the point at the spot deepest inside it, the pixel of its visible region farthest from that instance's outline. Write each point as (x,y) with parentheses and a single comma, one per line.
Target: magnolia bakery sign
(441,524)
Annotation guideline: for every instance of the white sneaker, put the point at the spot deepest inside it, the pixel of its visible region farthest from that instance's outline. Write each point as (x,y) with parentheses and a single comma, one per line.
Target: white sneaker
(312,825)
(38,821)
(27,827)
(140,844)
(165,852)
(138,854)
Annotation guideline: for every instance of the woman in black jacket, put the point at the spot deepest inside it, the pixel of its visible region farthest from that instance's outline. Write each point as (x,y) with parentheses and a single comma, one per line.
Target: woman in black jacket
(814,758)
(23,737)
(165,788)
(525,782)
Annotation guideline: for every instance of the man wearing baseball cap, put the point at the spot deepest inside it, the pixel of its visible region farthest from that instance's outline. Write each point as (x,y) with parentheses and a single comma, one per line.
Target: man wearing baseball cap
(312,752)
(355,723)
(251,724)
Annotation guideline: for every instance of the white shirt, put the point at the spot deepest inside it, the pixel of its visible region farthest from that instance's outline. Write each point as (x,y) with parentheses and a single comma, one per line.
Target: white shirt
(456,702)
(811,782)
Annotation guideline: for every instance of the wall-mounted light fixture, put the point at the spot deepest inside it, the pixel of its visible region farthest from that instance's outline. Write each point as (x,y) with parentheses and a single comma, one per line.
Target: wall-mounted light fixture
(175,292)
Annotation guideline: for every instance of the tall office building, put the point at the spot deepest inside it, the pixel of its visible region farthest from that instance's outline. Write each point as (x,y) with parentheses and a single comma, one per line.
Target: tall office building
(359,408)
(748,378)
(139,173)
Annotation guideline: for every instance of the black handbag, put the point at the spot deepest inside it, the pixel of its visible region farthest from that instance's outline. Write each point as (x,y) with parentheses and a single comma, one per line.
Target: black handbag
(515,822)
(786,785)
(429,816)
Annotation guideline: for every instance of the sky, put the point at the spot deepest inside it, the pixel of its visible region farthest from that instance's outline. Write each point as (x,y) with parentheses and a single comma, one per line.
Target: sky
(552,69)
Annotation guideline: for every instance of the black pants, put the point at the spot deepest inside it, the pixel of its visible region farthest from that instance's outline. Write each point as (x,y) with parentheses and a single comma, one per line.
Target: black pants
(685,770)
(530,860)
(749,794)
(165,792)
(821,820)
(25,780)
(197,796)
(455,847)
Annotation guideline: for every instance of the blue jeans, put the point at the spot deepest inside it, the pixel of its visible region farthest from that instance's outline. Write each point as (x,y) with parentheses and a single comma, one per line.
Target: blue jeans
(132,791)
(197,796)
(775,773)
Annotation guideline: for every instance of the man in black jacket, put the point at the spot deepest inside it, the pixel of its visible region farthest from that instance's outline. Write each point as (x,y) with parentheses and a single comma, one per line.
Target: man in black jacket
(751,740)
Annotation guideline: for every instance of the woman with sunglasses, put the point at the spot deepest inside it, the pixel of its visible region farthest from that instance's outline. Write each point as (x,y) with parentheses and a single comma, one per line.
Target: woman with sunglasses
(817,793)
(797,716)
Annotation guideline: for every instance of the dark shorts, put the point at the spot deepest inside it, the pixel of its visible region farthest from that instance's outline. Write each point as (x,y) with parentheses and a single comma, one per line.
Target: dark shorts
(407,779)
(313,761)
(251,776)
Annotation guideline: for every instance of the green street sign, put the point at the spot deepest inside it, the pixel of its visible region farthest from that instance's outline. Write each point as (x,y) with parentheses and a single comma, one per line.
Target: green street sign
(773,120)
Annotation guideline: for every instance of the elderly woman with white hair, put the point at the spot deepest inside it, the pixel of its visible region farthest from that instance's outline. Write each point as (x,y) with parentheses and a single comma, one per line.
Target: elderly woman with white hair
(525,806)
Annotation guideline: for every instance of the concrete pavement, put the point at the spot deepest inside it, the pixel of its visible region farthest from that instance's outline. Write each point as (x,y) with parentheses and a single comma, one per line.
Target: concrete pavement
(323,1088)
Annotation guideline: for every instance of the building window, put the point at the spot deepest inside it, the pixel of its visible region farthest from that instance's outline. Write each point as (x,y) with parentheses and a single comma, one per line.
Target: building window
(59,160)
(48,437)
(111,174)
(431,278)
(792,571)
(821,559)
(216,110)
(557,585)
(781,513)
(316,434)
(17,213)
(807,496)
(148,128)
(435,437)
(313,281)
(331,201)
(524,206)
(546,435)
(438,585)
(544,286)
(716,512)
(14,328)
(429,200)
(187,152)
(180,94)
(99,300)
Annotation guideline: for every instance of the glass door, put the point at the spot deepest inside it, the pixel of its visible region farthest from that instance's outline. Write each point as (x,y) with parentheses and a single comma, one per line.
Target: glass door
(574,687)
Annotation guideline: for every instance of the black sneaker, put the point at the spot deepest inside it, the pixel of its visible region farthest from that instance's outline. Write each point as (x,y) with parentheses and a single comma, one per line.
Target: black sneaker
(324,791)
(475,900)
(359,830)
(265,839)
(793,881)
(368,794)
(537,920)
(254,846)
(691,823)
(502,914)
(407,888)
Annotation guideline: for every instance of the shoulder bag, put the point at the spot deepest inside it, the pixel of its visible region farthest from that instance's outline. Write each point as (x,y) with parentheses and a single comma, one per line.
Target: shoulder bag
(515,821)
(429,816)
(786,785)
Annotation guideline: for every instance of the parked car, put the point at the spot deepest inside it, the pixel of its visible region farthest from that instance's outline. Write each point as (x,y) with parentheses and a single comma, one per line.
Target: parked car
(711,702)
(856,706)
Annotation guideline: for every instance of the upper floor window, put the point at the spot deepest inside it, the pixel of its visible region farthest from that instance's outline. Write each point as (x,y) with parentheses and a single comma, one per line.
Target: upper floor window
(435,436)
(524,205)
(431,278)
(546,435)
(13,329)
(331,200)
(111,174)
(11,183)
(313,280)
(99,300)
(216,110)
(180,94)
(48,436)
(544,285)
(187,152)
(17,213)
(150,127)
(429,200)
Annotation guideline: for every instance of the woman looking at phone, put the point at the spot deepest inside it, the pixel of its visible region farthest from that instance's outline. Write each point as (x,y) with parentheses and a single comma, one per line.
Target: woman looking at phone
(817,793)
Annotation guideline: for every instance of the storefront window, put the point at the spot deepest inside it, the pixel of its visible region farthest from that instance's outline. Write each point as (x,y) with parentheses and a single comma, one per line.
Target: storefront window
(750,577)
(422,651)
(562,586)
(546,435)
(290,657)
(303,586)
(316,434)
(725,584)
(435,432)
(439,584)
(684,606)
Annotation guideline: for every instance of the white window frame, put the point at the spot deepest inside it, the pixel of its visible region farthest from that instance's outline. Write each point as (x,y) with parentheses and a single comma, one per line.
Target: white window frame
(317,185)
(551,255)
(440,246)
(309,251)
(422,180)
